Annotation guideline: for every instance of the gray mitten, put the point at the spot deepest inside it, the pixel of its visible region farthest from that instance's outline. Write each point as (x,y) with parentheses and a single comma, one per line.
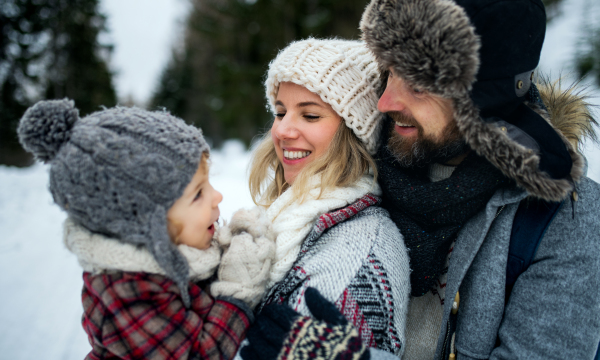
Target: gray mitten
(249,250)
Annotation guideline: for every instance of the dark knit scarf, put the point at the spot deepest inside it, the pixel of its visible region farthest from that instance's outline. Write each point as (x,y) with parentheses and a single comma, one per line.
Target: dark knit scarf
(429,215)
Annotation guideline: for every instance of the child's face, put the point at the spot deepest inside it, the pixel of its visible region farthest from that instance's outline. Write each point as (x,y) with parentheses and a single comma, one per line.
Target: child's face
(192,216)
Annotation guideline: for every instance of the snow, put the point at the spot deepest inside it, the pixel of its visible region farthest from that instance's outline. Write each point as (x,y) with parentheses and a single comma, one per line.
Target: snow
(40,306)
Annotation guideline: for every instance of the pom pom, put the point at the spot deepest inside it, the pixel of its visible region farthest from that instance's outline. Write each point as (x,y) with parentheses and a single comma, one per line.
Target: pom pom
(46,126)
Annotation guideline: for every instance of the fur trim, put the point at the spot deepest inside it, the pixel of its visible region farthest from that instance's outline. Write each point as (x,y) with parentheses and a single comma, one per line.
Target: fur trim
(405,35)
(433,46)
(568,110)
(97,253)
(516,161)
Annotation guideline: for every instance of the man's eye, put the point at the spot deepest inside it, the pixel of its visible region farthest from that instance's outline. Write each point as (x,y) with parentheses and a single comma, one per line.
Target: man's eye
(198,195)
(417,91)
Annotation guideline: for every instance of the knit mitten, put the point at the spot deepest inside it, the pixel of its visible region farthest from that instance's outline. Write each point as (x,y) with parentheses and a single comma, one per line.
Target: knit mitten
(281,333)
(248,254)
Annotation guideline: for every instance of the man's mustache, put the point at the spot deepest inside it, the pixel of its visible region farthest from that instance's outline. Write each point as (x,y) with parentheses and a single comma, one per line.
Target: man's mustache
(402,118)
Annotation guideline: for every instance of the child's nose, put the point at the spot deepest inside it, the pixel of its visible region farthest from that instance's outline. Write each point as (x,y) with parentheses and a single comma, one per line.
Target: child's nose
(218,198)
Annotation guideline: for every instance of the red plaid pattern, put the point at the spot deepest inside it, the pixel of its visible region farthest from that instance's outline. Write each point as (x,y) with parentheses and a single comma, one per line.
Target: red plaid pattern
(130,315)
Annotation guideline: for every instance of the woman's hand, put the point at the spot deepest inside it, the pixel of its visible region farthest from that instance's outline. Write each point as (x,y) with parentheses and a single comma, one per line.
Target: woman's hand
(248,254)
(281,333)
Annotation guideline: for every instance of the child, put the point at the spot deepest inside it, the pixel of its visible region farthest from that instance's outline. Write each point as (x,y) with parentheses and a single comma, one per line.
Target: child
(141,222)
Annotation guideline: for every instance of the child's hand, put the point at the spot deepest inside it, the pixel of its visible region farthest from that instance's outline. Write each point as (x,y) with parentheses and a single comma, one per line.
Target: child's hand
(245,264)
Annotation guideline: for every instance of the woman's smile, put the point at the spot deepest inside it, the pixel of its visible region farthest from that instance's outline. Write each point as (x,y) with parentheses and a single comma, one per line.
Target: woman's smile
(294,156)
(302,129)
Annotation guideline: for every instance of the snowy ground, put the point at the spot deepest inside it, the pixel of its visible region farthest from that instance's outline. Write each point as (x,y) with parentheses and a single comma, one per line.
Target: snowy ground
(40,306)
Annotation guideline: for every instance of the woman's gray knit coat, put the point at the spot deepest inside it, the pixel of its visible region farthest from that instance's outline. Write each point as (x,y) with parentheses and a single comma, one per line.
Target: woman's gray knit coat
(356,258)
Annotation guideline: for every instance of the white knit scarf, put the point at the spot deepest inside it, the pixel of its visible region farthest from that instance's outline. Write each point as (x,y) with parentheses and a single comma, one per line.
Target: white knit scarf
(292,220)
(97,253)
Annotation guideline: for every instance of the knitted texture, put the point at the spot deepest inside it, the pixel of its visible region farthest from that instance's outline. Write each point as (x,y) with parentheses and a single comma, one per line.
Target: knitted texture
(425,312)
(292,220)
(342,72)
(356,258)
(117,171)
(310,339)
(429,215)
(249,252)
(98,254)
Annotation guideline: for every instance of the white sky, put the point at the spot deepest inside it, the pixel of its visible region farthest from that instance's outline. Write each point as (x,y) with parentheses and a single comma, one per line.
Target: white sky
(143,33)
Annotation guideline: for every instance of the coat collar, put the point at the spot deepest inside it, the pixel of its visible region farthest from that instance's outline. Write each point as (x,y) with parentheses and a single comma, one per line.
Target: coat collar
(97,253)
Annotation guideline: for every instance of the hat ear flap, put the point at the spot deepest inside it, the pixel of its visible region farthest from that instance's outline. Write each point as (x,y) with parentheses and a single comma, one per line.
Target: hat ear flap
(166,253)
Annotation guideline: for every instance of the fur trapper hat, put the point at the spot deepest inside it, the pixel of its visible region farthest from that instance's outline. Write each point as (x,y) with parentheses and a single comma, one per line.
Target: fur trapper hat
(342,72)
(117,172)
(480,54)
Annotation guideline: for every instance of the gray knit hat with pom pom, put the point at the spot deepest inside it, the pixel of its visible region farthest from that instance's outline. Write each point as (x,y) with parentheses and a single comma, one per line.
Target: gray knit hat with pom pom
(118,171)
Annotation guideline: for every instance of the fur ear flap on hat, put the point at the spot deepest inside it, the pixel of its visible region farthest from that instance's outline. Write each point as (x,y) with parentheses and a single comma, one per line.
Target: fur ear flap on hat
(436,45)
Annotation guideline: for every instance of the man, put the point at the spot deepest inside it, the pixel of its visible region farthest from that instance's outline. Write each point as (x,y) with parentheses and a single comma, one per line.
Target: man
(468,141)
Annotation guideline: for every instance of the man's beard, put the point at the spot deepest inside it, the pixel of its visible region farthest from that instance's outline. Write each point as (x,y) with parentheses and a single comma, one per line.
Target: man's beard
(424,150)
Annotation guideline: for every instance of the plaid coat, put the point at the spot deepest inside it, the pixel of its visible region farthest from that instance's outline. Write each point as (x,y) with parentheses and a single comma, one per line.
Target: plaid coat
(137,315)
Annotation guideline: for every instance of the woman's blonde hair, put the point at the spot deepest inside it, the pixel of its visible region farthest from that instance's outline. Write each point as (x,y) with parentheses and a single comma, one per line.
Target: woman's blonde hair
(345,162)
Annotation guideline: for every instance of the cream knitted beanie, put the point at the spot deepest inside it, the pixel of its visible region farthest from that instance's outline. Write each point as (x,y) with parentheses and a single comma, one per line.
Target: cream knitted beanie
(342,72)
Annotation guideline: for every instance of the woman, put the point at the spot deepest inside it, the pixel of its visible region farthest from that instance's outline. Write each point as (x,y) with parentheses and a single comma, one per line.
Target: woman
(315,175)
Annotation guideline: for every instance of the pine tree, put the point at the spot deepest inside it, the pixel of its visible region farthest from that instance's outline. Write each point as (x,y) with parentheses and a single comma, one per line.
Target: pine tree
(216,80)
(49,49)
(79,63)
(587,56)
(22,35)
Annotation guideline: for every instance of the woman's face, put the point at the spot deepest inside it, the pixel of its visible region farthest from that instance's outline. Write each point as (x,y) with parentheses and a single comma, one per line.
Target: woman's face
(303,128)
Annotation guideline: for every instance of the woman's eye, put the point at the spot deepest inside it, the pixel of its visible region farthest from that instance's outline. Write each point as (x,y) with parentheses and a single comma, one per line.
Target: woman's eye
(417,91)
(198,195)
(311,117)
(280,115)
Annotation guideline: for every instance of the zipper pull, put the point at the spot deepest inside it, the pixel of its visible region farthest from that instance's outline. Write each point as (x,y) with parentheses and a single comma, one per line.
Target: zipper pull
(455,304)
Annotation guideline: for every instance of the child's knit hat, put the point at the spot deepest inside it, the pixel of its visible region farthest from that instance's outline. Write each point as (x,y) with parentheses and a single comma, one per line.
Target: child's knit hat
(117,172)
(342,72)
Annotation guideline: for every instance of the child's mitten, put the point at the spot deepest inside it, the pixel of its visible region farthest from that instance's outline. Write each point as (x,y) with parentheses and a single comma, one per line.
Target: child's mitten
(253,221)
(249,251)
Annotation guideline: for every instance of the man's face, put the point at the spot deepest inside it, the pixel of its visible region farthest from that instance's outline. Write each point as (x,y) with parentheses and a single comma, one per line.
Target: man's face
(423,131)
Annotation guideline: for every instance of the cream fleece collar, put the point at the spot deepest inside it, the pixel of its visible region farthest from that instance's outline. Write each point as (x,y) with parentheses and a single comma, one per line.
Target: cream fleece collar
(97,253)
(292,220)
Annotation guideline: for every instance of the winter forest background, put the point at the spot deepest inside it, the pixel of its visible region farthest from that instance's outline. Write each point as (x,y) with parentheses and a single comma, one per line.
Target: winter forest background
(203,60)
